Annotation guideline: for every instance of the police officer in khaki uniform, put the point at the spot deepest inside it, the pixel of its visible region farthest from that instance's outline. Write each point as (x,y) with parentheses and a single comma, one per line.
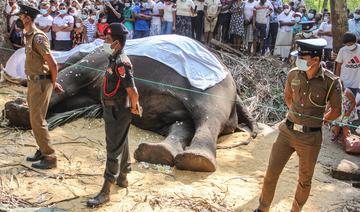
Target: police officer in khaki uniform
(41,72)
(119,100)
(308,89)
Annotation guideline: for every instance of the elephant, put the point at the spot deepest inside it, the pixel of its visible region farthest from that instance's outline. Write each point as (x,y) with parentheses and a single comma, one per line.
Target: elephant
(190,119)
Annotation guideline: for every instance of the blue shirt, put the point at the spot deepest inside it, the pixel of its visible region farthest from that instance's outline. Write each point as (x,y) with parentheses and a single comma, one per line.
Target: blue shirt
(354,27)
(140,24)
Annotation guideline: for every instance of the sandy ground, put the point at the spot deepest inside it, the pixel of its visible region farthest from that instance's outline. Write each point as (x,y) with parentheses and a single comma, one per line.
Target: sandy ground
(235,186)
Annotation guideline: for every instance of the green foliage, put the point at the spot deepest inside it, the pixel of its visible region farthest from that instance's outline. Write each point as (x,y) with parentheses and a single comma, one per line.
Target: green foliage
(318,4)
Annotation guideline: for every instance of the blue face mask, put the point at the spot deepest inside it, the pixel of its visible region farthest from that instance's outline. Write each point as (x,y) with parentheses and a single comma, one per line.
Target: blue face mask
(84,17)
(62,12)
(310,15)
(301,64)
(356,16)
(43,11)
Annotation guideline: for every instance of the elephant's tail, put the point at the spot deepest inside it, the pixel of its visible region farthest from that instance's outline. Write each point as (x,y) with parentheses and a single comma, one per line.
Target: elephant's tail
(245,118)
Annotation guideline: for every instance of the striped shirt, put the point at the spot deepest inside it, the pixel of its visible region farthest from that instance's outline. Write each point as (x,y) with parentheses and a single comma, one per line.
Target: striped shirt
(91,30)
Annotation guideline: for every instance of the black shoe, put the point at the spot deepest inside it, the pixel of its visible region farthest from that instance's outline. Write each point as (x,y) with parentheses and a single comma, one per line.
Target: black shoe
(102,198)
(122,181)
(46,163)
(36,157)
(258,210)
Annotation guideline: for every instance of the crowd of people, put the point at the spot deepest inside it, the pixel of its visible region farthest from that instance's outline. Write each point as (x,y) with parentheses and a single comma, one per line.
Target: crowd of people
(258,26)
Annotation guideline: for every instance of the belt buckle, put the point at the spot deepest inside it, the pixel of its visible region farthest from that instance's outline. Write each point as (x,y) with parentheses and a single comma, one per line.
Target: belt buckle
(298,127)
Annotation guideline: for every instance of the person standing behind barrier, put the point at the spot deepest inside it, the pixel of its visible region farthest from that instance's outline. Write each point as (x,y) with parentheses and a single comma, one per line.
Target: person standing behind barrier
(348,63)
(308,89)
(63,24)
(284,37)
(198,20)
(184,12)
(248,19)
(44,21)
(41,72)
(211,12)
(168,24)
(237,23)
(262,11)
(325,31)
(157,14)
(119,99)
(354,24)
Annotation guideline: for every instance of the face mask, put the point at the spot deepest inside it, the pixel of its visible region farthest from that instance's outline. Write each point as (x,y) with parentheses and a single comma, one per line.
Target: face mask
(310,15)
(84,17)
(286,11)
(351,48)
(356,16)
(103,20)
(107,48)
(127,4)
(43,11)
(326,19)
(72,14)
(93,17)
(62,12)
(301,64)
(78,25)
(53,8)
(297,19)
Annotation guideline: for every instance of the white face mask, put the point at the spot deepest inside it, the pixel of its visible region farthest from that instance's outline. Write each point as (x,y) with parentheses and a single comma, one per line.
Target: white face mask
(326,19)
(301,64)
(107,48)
(103,20)
(351,48)
(78,25)
(287,11)
(93,17)
(53,8)
(127,4)
(307,34)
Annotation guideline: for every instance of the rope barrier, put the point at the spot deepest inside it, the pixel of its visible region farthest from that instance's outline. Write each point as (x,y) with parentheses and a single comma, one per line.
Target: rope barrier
(207,94)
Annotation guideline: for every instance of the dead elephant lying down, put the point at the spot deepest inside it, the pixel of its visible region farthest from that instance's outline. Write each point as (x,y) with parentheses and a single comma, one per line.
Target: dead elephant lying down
(190,118)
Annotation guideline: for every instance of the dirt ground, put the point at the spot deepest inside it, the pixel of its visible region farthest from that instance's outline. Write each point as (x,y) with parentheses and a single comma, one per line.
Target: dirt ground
(235,186)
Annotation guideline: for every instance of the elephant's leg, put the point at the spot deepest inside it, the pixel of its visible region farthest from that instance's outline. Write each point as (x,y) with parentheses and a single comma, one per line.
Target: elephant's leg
(201,154)
(180,134)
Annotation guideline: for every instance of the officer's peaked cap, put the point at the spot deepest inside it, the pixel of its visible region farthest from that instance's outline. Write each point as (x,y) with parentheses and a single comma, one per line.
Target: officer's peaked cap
(309,47)
(28,10)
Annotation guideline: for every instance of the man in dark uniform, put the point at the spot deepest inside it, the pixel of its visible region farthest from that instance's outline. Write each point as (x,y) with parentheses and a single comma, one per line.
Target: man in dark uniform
(308,89)
(119,100)
(41,70)
(307,31)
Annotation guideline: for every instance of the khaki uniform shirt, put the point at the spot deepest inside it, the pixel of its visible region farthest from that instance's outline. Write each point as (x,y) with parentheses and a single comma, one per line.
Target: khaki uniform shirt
(36,46)
(309,97)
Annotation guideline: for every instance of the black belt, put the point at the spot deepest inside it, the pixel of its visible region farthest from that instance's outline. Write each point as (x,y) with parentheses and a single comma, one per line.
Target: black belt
(39,77)
(292,126)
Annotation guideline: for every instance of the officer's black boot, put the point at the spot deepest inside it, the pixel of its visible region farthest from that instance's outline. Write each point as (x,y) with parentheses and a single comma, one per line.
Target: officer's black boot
(36,157)
(47,162)
(102,197)
(122,180)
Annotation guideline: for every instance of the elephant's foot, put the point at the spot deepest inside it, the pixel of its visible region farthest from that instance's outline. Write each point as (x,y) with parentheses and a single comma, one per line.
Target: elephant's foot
(160,153)
(195,160)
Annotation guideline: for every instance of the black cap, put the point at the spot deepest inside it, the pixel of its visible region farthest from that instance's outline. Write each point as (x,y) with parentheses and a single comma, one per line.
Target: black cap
(310,47)
(116,29)
(307,25)
(28,10)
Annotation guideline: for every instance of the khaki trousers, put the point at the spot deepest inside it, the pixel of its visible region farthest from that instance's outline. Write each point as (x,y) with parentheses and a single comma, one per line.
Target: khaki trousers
(307,146)
(38,98)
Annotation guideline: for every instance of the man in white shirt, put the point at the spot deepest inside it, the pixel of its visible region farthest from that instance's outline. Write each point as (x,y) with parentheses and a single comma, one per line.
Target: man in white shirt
(44,21)
(348,63)
(354,24)
(248,19)
(198,20)
(157,14)
(326,33)
(262,12)
(211,11)
(63,24)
